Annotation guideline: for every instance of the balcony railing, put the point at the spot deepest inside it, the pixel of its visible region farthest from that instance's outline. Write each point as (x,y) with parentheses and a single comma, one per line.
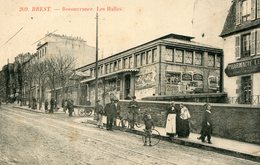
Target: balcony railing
(254,100)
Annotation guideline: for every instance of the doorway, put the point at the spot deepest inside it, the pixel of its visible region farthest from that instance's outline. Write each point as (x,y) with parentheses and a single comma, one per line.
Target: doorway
(246,89)
(127,85)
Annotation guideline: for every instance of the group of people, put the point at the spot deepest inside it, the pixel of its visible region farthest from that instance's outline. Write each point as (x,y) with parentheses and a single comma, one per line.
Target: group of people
(67,104)
(177,122)
(177,119)
(113,110)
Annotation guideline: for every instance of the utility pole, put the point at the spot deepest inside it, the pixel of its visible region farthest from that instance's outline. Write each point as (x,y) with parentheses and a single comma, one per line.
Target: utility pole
(96,85)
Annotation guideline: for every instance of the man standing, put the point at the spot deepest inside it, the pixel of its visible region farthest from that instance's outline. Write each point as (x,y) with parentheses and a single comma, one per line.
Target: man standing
(52,103)
(70,106)
(110,110)
(134,108)
(99,111)
(206,125)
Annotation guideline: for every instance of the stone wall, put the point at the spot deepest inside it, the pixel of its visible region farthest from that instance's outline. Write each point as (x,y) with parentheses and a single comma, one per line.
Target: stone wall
(240,123)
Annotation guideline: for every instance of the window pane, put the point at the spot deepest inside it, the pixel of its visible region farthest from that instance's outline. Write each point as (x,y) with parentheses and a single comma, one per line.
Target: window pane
(154,55)
(198,58)
(178,57)
(143,61)
(131,62)
(188,58)
(218,61)
(168,54)
(138,61)
(211,60)
(149,57)
(245,45)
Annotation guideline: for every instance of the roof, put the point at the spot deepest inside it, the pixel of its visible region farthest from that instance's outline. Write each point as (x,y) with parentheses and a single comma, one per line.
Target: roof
(111,74)
(170,37)
(230,26)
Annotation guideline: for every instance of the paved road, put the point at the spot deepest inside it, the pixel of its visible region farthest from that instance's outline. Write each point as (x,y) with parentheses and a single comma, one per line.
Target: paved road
(36,138)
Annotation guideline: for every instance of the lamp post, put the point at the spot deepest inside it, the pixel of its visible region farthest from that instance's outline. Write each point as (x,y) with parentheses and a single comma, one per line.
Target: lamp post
(96,85)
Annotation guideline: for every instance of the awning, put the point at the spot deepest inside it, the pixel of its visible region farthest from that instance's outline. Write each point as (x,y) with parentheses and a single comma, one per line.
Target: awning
(77,75)
(110,74)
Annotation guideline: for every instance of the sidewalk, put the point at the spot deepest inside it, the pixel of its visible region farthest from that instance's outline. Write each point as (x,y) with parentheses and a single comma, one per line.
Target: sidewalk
(224,146)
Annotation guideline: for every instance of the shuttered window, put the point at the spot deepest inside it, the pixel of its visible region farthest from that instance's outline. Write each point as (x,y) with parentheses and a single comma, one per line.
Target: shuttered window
(237,47)
(238,16)
(253,43)
(258,8)
(258,42)
(253,9)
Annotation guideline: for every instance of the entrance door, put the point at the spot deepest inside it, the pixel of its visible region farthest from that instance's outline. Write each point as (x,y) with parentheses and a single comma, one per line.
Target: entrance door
(127,85)
(246,89)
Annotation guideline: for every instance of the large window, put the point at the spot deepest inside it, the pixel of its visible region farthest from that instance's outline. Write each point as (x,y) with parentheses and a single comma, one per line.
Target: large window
(178,56)
(169,54)
(246,10)
(218,61)
(245,43)
(211,60)
(246,89)
(188,57)
(137,60)
(198,58)
(143,59)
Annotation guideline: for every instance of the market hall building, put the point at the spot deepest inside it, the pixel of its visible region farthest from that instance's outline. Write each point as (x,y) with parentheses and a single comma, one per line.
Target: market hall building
(241,34)
(170,65)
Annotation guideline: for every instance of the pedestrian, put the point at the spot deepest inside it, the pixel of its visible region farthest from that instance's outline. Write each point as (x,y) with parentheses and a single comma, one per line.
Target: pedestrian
(184,121)
(52,103)
(99,111)
(70,107)
(118,109)
(133,111)
(149,125)
(34,103)
(65,105)
(171,120)
(110,110)
(46,104)
(207,128)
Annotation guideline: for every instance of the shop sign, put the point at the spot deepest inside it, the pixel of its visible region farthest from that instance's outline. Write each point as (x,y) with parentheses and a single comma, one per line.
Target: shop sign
(197,77)
(243,67)
(186,77)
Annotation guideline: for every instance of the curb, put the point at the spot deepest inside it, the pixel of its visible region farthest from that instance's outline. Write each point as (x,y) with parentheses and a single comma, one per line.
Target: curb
(28,109)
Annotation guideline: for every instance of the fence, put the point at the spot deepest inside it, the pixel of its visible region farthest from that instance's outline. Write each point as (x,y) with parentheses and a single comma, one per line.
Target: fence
(254,99)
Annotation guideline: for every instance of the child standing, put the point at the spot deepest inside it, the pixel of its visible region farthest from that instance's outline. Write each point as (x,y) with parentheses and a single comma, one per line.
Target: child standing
(149,125)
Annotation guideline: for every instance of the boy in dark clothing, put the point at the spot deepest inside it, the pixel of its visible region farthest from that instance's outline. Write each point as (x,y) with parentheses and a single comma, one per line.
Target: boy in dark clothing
(149,125)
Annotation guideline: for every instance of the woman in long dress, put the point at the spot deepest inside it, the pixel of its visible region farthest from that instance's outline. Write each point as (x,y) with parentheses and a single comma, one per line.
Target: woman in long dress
(184,120)
(171,120)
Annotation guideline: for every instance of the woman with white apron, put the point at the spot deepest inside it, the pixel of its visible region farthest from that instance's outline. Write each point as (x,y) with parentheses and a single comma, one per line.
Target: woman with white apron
(171,120)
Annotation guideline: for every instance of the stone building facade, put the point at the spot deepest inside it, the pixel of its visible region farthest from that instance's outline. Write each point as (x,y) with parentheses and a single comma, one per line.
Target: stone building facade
(241,35)
(169,65)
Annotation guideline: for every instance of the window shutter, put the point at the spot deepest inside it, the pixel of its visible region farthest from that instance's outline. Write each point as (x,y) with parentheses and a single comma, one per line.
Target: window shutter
(253,9)
(238,16)
(237,47)
(258,8)
(258,42)
(252,48)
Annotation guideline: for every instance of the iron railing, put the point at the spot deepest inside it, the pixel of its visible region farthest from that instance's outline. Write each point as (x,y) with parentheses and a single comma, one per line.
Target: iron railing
(254,99)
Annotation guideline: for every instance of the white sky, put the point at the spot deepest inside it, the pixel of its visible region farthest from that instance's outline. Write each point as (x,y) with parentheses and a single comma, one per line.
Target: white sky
(138,22)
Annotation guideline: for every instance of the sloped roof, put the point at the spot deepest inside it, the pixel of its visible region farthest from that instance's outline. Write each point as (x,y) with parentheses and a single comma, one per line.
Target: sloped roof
(230,26)
(230,22)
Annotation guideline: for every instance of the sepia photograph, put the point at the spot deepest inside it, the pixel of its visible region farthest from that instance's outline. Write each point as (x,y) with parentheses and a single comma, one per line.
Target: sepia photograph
(95,82)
